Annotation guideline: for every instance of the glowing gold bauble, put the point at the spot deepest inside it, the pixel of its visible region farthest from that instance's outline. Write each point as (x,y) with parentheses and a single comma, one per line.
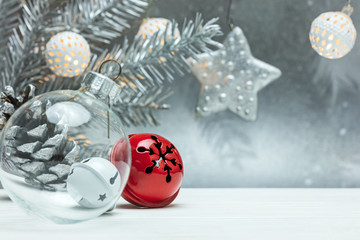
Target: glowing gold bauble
(332,34)
(67,54)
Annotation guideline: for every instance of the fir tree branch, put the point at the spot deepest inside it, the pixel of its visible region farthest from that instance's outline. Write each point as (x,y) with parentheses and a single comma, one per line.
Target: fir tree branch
(161,58)
(9,16)
(98,21)
(146,73)
(138,109)
(22,43)
(24,61)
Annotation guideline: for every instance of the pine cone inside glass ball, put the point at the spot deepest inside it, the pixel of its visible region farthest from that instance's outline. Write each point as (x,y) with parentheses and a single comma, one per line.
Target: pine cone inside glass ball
(10,102)
(41,151)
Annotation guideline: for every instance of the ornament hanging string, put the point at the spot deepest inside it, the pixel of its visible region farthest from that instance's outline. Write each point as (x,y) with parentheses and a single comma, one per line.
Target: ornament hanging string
(228,18)
(108,98)
(114,79)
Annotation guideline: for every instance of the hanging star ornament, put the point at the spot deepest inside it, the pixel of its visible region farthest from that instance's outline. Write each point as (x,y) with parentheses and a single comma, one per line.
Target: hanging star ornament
(231,77)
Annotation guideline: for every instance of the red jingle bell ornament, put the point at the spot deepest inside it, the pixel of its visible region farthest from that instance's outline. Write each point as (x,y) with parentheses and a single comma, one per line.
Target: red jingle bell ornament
(156,171)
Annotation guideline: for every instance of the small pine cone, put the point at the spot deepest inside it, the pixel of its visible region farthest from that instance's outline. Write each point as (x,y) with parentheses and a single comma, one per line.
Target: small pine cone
(10,102)
(40,151)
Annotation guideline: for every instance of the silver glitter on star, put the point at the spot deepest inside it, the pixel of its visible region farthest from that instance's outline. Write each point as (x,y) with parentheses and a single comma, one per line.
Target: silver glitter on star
(231,77)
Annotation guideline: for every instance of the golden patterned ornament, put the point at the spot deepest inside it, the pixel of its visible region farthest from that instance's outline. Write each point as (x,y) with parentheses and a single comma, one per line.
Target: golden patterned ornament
(333,34)
(151,26)
(67,54)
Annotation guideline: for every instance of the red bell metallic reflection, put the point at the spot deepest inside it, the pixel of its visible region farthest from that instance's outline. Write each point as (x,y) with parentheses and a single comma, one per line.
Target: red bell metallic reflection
(156,171)
(119,157)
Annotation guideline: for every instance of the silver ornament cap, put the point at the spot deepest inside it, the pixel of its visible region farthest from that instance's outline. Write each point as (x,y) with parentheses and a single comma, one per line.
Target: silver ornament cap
(99,85)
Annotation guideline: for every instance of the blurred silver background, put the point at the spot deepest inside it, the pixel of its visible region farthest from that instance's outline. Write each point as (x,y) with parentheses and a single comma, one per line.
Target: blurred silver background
(308,130)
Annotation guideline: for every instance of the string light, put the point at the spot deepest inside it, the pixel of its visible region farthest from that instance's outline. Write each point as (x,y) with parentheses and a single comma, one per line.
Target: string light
(333,34)
(151,26)
(67,54)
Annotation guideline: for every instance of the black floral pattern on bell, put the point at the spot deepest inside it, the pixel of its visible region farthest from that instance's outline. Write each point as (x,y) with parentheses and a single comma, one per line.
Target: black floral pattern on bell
(162,157)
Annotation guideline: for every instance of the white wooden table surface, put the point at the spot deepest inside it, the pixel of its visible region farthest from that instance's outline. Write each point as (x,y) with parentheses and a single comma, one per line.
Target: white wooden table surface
(208,214)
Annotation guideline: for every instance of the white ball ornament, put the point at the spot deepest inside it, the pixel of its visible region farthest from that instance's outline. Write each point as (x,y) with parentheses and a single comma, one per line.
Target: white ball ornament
(151,26)
(332,34)
(67,54)
(94,182)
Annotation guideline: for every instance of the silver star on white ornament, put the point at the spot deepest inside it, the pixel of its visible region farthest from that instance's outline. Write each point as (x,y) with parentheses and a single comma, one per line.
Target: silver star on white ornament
(231,77)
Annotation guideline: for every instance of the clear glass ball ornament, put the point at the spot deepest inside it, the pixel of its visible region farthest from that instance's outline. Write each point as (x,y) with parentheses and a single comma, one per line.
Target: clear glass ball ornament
(53,134)
(332,34)
(67,54)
